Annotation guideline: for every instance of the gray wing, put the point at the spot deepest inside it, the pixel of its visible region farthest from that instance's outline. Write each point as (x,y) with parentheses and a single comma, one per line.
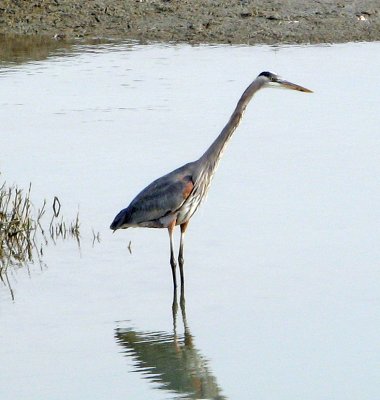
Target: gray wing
(163,196)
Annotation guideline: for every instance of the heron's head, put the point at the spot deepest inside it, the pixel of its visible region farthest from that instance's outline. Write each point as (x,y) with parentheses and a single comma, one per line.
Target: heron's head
(273,80)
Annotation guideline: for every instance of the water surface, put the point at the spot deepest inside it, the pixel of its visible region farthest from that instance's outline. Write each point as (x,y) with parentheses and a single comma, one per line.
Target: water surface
(282,261)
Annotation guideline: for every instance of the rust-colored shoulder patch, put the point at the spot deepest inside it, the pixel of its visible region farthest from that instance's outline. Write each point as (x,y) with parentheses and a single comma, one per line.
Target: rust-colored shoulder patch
(187,189)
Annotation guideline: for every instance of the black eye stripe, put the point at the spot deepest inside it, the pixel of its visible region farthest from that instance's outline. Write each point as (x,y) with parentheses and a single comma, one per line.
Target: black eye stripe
(267,74)
(270,75)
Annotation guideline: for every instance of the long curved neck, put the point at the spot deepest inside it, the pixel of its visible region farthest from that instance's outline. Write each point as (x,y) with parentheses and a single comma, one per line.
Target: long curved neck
(213,154)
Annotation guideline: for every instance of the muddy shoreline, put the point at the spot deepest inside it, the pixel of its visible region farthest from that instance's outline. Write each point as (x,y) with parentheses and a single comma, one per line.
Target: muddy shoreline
(195,21)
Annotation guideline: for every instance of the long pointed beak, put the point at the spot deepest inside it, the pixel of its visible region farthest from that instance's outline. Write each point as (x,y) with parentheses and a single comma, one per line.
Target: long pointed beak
(293,86)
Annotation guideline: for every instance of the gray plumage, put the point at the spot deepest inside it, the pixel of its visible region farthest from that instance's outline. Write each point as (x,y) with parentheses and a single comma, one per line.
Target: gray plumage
(158,201)
(172,199)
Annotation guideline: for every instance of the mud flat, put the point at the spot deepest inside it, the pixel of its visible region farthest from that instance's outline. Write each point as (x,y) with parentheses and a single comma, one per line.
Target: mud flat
(196,21)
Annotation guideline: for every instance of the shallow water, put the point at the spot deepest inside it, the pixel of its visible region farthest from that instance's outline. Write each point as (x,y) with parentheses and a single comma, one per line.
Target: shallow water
(282,261)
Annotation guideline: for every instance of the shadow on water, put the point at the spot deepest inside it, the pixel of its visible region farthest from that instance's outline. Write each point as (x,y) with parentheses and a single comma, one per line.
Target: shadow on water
(171,360)
(16,49)
(19,49)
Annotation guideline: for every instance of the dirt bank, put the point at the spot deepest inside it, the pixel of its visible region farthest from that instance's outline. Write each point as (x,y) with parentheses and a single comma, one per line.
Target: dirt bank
(196,21)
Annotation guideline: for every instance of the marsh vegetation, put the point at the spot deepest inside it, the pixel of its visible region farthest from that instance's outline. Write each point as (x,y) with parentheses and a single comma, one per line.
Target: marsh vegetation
(24,231)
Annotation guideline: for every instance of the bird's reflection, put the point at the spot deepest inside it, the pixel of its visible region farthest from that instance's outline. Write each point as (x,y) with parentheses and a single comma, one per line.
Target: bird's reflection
(171,360)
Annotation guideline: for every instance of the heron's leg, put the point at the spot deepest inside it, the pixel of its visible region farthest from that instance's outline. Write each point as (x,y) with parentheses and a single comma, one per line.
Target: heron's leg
(172,258)
(180,254)
(174,311)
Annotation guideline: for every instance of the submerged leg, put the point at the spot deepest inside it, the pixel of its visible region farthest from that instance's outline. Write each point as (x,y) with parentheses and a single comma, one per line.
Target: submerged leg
(173,263)
(174,311)
(180,255)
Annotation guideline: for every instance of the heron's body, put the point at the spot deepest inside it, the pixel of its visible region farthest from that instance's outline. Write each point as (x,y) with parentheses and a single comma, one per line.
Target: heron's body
(164,201)
(172,199)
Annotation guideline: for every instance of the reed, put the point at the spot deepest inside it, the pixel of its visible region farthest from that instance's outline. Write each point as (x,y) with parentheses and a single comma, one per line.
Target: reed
(22,232)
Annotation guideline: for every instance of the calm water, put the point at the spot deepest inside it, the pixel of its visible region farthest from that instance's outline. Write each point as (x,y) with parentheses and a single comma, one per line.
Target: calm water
(282,261)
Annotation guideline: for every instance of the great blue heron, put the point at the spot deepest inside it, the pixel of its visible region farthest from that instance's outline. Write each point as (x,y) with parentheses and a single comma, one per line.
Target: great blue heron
(172,199)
